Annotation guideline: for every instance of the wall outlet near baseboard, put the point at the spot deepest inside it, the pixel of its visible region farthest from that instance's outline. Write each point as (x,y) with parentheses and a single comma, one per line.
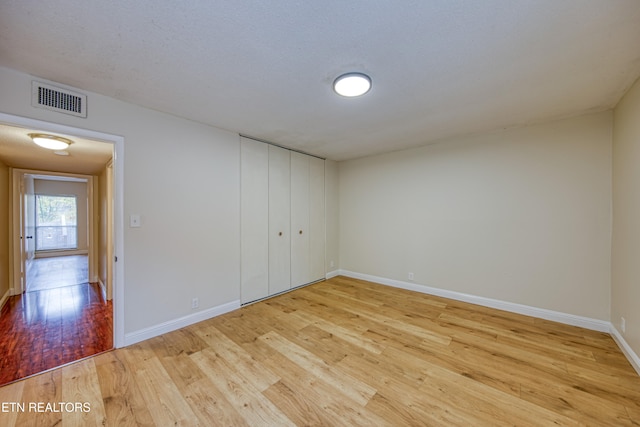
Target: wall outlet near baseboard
(410,276)
(194,303)
(332,264)
(623,324)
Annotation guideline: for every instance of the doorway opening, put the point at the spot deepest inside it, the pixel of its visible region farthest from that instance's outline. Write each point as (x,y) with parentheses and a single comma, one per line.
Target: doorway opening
(58,271)
(57,224)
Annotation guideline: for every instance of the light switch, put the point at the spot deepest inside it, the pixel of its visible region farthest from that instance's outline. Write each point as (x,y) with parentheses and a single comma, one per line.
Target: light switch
(134,221)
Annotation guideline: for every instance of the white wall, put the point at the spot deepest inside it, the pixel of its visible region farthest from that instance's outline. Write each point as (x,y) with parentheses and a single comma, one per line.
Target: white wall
(521,215)
(625,281)
(183,179)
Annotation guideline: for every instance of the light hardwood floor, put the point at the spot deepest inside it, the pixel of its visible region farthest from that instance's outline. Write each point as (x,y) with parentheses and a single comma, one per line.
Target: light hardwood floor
(347,352)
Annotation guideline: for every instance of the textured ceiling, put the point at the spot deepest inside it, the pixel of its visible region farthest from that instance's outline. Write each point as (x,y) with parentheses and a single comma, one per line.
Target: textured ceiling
(265,68)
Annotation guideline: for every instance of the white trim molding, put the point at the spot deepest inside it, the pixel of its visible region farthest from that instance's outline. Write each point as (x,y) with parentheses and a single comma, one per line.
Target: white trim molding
(103,288)
(5,297)
(65,252)
(626,348)
(542,313)
(332,274)
(172,325)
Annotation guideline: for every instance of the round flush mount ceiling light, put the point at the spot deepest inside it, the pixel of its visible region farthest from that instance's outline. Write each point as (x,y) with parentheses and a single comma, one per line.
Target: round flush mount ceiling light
(352,84)
(51,142)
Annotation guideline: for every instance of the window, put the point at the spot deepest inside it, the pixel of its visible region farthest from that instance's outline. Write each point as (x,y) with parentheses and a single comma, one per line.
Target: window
(56,222)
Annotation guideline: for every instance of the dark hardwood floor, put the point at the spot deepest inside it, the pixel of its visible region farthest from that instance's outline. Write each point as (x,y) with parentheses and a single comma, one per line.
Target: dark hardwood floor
(40,330)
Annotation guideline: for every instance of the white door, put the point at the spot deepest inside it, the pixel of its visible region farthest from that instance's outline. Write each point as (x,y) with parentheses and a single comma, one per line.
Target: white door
(317,270)
(299,219)
(279,220)
(254,220)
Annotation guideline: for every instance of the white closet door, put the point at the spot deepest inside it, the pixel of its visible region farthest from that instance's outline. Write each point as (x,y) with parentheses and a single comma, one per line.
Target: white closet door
(279,220)
(316,220)
(254,224)
(299,219)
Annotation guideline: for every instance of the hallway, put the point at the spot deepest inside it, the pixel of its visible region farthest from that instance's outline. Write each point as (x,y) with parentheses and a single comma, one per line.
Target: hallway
(60,321)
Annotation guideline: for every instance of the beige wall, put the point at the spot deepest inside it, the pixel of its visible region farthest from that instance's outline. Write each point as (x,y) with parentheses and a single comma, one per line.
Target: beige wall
(66,188)
(4,229)
(102,226)
(94,231)
(520,215)
(103,217)
(625,272)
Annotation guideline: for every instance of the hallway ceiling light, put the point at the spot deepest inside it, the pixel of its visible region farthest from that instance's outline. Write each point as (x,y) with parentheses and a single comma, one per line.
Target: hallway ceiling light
(352,84)
(51,142)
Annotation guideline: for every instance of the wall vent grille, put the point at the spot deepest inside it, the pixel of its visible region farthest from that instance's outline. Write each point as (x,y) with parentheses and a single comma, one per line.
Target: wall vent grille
(57,99)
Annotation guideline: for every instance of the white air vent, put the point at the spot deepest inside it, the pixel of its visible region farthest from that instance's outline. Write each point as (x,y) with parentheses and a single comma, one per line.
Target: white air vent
(57,99)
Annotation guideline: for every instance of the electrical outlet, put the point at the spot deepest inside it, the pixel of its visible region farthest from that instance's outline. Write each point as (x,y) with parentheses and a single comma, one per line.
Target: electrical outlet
(194,302)
(410,276)
(623,324)
(332,264)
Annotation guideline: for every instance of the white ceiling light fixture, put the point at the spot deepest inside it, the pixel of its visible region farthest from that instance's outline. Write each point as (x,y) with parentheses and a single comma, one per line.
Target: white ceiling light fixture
(352,84)
(51,142)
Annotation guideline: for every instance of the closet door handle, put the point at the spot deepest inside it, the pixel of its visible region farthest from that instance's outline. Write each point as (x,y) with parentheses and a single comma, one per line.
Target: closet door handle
(280,233)
(300,232)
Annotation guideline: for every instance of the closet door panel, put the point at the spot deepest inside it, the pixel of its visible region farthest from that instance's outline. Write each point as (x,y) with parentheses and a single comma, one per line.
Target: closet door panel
(279,220)
(254,226)
(316,219)
(299,219)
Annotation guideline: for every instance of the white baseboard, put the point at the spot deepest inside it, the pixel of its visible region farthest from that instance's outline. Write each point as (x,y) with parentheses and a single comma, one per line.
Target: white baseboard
(56,253)
(332,274)
(103,288)
(631,355)
(5,297)
(569,319)
(172,325)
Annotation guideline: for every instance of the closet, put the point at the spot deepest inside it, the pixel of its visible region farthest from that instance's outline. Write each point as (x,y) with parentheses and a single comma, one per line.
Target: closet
(282,222)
